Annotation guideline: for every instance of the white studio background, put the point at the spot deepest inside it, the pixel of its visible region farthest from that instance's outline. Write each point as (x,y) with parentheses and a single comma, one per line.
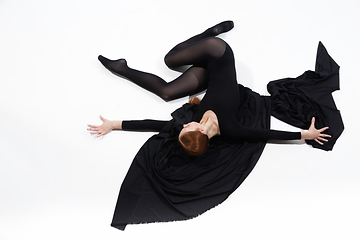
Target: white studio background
(58,182)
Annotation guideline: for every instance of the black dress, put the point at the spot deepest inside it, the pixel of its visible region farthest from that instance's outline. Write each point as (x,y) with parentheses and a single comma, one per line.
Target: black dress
(164,184)
(223,97)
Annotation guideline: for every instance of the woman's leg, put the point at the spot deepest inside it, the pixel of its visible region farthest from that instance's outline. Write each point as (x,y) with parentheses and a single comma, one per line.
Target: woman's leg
(197,53)
(171,60)
(192,81)
(194,51)
(210,32)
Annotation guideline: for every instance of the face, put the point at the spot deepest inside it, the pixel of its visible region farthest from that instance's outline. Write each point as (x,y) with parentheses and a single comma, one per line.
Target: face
(192,126)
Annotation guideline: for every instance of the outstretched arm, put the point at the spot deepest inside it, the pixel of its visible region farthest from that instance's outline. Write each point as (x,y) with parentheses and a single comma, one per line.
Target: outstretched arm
(135,125)
(247,133)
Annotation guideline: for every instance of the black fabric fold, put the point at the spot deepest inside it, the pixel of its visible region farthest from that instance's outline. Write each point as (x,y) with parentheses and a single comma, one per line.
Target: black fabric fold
(296,100)
(164,184)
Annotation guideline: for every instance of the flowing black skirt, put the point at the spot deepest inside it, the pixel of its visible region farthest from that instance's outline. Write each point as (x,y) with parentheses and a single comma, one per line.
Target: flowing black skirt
(164,184)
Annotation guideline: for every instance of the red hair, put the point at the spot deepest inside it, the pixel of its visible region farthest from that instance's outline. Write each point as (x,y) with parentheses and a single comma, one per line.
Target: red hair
(194,100)
(194,143)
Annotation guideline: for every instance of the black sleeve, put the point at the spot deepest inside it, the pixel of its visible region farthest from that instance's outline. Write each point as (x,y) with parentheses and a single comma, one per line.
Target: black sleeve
(284,135)
(144,125)
(246,133)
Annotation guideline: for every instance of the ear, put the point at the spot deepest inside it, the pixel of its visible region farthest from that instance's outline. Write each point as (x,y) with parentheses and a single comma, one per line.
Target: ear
(202,131)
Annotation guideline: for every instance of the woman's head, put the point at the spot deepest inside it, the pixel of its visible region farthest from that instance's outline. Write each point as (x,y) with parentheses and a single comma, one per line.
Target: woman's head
(192,137)
(193,140)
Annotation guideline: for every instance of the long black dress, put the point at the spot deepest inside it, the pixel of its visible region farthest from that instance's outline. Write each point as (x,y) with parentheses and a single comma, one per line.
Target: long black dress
(164,184)
(223,97)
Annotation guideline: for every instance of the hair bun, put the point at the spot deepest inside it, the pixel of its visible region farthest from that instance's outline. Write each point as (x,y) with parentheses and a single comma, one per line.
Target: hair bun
(194,100)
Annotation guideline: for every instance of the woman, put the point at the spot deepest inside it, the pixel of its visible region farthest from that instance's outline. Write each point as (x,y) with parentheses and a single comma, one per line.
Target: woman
(207,150)
(212,68)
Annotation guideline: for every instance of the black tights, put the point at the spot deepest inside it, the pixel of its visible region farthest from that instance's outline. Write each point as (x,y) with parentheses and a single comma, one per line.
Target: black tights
(194,51)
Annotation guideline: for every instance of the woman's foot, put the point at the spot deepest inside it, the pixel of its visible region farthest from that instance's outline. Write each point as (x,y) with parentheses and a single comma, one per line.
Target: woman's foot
(114,66)
(221,28)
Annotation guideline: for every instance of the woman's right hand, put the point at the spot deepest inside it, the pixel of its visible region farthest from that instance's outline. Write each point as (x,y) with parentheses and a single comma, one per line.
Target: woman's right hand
(105,128)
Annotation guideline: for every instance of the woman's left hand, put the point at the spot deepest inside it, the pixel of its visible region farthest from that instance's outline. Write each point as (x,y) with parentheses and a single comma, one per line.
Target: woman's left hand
(315,134)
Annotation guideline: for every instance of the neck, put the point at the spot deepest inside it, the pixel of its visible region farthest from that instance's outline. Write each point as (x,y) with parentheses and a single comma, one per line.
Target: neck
(212,132)
(211,126)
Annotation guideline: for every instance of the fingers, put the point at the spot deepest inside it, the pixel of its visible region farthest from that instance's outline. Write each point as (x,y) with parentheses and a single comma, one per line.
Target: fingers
(95,130)
(325,135)
(312,122)
(93,126)
(323,129)
(313,126)
(322,134)
(99,133)
(322,139)
(318,141)
(102,118)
